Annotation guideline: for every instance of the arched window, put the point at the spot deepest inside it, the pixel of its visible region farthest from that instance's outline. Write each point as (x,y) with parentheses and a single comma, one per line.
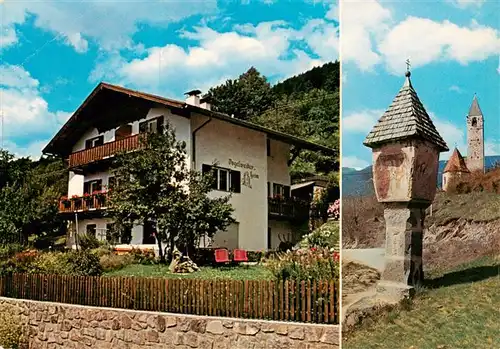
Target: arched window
(474,122)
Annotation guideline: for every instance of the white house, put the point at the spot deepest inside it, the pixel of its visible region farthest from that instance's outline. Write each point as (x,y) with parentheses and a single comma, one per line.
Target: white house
(253,163)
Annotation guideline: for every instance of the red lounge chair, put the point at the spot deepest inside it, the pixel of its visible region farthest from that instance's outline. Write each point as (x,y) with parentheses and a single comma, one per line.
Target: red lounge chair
(222,255)
(240,256)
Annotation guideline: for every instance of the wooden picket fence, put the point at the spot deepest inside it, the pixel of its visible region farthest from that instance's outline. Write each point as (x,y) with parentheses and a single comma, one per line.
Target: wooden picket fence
(302,301)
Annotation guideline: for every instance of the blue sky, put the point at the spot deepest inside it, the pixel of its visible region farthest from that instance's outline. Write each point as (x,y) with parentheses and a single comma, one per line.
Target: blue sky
(53,53)
(454,48)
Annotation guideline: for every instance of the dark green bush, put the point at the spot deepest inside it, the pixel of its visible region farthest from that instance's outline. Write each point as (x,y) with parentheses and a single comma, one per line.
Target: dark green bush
(9,250)
(88,242)
(84,263)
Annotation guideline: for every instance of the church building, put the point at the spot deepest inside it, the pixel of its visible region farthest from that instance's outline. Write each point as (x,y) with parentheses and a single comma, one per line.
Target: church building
(457,168)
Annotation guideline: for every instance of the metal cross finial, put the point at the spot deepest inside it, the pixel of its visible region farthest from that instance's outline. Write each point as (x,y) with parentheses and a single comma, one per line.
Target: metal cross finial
(408,64)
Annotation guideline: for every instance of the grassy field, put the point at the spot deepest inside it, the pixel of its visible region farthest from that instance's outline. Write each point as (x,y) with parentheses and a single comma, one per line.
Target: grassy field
(459,308)
(231,272)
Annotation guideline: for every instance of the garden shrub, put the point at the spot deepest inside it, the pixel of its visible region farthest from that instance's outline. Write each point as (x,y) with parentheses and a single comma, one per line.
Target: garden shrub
(103,250)
(111,262)
(204,257)
(305,264)
(11,331)
(52,263)
(326,236)
(84,263)
(20,262)
(9,250)
(88,242)
(145,257)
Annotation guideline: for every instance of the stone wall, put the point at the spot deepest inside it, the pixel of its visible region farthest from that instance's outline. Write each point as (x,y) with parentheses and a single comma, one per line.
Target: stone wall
(56,325)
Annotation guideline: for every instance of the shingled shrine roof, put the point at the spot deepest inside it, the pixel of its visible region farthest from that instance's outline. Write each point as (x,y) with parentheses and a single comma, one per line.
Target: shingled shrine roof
(456,163)
(474,109)
(405,118)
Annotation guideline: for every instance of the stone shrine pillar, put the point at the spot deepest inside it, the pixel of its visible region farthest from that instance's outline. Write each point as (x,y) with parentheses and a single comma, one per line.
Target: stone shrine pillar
(406,147)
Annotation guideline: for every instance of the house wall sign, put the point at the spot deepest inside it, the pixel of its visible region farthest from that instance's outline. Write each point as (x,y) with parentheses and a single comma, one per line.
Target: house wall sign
(248,175)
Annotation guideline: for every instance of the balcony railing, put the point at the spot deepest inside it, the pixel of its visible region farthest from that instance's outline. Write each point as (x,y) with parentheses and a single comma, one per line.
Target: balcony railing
(106,150)
(288,208)
(83,203)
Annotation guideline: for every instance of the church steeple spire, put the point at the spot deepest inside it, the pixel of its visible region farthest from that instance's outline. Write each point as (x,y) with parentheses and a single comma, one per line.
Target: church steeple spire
(474,109)
(475,137)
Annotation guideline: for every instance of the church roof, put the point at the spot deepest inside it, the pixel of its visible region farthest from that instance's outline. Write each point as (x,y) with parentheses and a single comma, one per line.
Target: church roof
(474,109)
(406,117)
(456,163)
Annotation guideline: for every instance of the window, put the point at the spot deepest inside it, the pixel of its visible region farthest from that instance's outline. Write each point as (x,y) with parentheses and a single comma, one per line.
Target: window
(94,142)
(474,122)
(110,232)
(151,126)
(126,235)
(148,233)
(268,147)
(281,190)
(224,179)
(91,229)
(92,186)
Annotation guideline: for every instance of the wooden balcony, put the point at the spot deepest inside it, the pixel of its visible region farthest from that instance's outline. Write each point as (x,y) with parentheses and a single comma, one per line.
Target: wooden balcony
(288,208)
(104,151)
(81,204)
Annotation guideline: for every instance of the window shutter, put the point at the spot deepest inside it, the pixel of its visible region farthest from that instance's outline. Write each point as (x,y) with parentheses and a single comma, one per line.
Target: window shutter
(206,168)
(143,127)
(159,124)
(98,184)
(99,141)
(86,187)
(269,190)
(88,144)
(287,191)
(236,181)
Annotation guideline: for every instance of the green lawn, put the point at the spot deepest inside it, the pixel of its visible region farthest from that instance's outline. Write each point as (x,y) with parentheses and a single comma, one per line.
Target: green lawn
(459,309)
(231,272)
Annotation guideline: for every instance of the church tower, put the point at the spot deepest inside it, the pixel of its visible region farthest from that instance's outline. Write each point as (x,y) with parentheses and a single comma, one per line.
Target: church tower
(475,137)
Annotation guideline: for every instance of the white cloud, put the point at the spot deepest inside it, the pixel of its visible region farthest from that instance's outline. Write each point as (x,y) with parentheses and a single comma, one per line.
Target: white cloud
(354,162)
(425,41)
(370,37)
(333,12)
(267,46)
(492,147)
(108,23)
(362,23)
(361,121)
(25,112)
(452,133)
(463,4)
(455,88)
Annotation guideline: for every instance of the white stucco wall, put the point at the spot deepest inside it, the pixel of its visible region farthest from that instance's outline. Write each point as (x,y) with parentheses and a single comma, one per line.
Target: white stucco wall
(219,142)
(277,164)
(75,184)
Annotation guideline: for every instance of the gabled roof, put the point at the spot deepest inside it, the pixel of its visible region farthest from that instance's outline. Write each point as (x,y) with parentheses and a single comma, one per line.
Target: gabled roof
(474,109)
(132,104)
(405,118)
(456,163)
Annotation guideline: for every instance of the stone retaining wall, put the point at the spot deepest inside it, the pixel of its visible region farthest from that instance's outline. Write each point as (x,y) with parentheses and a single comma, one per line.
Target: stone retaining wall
(56,325)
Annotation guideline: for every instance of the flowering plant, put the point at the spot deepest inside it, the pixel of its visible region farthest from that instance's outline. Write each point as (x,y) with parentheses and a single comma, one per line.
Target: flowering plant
(87,197)
(99,193)
(334,210)
(305,264)
(74,197)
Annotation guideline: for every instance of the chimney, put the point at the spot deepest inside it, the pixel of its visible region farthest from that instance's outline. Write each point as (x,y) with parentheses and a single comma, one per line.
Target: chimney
(193,97)
(205,104)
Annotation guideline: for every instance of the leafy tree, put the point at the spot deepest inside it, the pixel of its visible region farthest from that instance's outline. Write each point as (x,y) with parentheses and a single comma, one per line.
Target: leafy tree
(154,186)
(29,200)
(245,97)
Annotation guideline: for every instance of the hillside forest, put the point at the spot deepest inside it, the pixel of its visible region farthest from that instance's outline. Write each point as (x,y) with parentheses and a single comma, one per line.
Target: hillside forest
(306,106)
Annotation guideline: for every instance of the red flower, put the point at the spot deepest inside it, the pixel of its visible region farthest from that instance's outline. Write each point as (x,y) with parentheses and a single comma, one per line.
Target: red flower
(336,256)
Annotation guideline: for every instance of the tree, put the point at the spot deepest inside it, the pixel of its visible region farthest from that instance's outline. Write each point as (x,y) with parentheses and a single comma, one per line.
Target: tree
(245,97)
(155,186)
(29,199)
